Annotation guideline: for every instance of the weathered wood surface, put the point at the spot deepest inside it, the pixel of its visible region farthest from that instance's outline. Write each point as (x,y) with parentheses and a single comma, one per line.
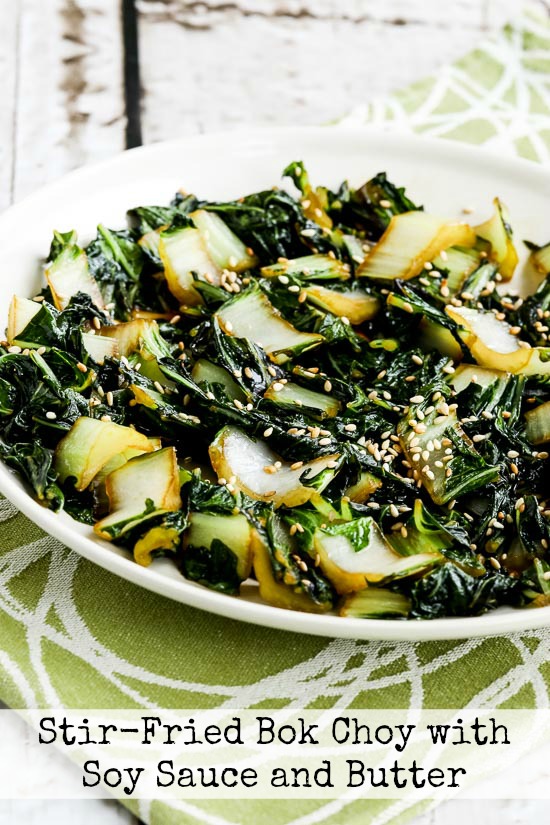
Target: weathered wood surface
(67,105)
(218,64)
(211,65)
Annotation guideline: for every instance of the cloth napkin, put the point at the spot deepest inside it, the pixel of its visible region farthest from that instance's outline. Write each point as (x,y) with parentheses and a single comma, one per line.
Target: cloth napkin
(74,635)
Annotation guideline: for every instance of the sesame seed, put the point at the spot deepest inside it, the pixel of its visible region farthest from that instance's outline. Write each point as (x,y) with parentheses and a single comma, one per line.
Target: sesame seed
(385,204)
(277,386)
(394,511)
(324,441)
(327,386)
(268,432)
(158,386)
(51,415)
(416,399)
(14,350)
(512,454)
(467,210)
(109,399)
(40,298)
(296,465)
(494,563)
(417,359)
(105,418)
(175,319)
(294,288)
(350,428)
(82,367)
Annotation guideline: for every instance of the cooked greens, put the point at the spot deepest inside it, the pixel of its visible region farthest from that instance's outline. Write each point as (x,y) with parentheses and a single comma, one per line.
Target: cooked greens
(329,393)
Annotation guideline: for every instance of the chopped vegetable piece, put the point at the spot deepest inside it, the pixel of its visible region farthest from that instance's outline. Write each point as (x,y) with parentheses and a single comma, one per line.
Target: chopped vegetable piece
(457,265)
(90,444)
(364,487)
(411,240)
(498,232)
(252,316)
(493,345)
(217,550)
(21,313)
(466,374)
(294,396)
(376,603)
(288,594)
(139,335)
(449,464)
(537,424)
(356,553)
(251,466)
(222,245)
(433,336)
(355,305)
(156,539)
(68,274)
(310,267)
(205,372)
(142,488)
(99,347)
(183,253)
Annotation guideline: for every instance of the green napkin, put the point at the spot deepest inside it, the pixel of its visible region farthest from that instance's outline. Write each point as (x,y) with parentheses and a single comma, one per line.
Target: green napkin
(74,635)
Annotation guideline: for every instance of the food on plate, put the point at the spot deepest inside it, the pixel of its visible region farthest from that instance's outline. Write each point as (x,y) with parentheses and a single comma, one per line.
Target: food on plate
(335,394)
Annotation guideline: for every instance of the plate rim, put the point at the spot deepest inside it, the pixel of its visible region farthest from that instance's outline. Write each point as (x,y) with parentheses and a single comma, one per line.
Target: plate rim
(183,591)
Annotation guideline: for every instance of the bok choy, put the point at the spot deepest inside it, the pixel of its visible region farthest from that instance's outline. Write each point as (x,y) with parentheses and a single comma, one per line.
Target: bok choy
(330,396)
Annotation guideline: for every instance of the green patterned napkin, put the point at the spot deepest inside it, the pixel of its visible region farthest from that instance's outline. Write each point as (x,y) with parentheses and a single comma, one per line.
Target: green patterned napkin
(74,635)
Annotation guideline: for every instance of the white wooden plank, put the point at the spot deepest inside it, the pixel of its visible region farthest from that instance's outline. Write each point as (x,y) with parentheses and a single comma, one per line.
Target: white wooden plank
(214,65)
(8,90)
(65,812)
(70,102)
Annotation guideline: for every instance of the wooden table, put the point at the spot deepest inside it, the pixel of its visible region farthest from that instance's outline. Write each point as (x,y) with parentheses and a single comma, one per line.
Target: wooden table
(83,79)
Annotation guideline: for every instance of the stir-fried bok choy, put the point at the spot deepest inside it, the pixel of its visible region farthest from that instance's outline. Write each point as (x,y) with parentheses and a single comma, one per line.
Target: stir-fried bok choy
(332,395)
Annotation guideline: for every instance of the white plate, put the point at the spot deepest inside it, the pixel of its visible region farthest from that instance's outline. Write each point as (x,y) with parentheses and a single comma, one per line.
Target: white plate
(444,176)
